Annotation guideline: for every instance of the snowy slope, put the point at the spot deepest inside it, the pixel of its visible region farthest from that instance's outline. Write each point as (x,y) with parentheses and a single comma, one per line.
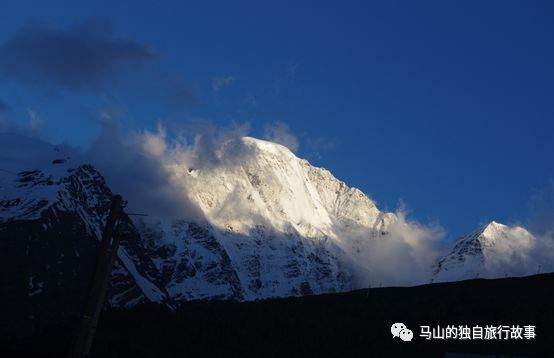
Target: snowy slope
(272,218)
(260,180)
(494,250)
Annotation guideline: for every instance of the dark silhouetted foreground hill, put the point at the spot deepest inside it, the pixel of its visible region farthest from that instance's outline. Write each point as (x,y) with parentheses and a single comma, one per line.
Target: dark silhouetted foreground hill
(354,324)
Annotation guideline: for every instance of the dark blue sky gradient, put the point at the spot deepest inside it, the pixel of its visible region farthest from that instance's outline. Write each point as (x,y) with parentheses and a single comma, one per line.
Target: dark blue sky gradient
(447,105)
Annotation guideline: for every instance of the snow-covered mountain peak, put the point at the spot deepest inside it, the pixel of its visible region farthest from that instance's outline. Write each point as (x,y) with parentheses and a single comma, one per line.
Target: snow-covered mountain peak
(497,234)
(486,235)
(494,249)
(257,182)
(264,146)
(279,219)
(493,229)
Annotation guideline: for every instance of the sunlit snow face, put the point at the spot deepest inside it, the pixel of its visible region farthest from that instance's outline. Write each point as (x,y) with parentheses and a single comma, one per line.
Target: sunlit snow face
(396,328)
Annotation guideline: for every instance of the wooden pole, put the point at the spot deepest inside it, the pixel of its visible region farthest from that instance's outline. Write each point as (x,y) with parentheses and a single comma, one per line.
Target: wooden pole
(99,285)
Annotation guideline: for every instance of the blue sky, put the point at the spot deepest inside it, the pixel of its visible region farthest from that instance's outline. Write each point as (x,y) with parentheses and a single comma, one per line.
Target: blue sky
(446,105)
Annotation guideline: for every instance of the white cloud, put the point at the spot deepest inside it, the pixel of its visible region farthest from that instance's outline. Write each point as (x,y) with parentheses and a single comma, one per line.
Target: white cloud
(404,256)
(155,143)
(141,165)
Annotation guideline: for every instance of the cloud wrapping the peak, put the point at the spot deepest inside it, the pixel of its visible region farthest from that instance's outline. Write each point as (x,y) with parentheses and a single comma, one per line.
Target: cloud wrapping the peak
(78,58)
(404,256)
(130,163)
(141,165)
(279,132)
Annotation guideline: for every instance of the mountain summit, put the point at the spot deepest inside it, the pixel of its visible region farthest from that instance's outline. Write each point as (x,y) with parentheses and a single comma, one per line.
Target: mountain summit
(494,250)
(258,182)
(279,226)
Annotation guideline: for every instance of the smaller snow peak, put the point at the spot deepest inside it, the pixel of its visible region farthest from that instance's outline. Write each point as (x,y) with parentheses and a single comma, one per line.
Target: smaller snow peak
(486,232)
(494,234)
(493,228)
(494,250)
(510,235)
(495,225)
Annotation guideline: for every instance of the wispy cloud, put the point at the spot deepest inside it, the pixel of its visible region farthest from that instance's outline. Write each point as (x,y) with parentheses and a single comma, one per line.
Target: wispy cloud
(140,164)
(32,128)
(82,57)
(35,123)
(316,147)
(279,132)
(222,82)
